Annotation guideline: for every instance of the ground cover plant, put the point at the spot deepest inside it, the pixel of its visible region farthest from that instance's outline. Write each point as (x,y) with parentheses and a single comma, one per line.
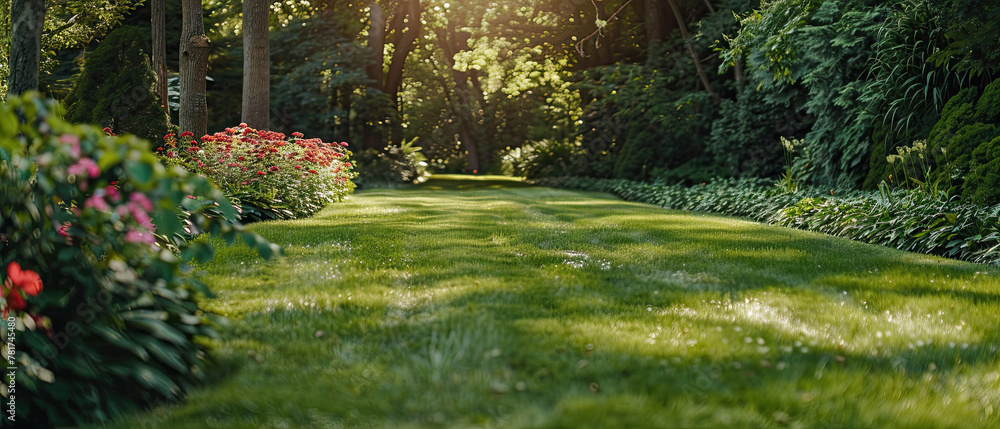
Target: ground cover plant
(915,221)
(488,303)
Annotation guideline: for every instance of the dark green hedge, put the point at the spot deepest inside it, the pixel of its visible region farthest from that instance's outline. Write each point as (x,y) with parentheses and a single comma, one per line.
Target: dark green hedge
(912,221)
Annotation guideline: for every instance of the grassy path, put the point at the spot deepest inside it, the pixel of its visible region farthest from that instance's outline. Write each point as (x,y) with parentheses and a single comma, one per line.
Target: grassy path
(492,304)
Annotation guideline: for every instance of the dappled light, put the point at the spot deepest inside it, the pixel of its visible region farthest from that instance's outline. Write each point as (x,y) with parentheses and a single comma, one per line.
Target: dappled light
(466,304)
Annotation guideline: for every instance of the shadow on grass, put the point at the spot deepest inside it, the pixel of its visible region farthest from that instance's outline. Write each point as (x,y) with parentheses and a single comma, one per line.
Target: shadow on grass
(465,182)
(531,308)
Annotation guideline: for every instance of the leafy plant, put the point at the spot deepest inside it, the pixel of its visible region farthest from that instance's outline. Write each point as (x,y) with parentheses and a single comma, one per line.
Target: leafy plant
(917,165)
(966,132)
(395,164)
(916,222)
(117,326)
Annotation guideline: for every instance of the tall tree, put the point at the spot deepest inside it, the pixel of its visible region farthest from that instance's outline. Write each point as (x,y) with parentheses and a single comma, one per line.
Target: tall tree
(401,32)
(195,47)
(159,31)
(681,25)
(26,45)
(256,64)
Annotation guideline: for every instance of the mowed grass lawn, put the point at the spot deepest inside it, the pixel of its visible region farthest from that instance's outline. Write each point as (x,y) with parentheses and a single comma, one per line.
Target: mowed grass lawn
(483,302)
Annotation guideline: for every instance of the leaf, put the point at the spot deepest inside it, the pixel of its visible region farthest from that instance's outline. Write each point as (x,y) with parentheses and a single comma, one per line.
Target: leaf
(156,380)
(157,328)
(163,353)
(120,340)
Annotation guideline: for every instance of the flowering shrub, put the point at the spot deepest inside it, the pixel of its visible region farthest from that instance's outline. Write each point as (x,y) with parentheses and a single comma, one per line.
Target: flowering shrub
(269,175)
(106,317)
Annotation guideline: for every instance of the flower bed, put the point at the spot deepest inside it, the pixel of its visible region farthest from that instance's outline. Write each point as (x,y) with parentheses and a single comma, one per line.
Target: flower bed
(269,175)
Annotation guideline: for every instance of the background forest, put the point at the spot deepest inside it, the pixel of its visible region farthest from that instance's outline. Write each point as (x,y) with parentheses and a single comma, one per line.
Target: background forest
(678,90)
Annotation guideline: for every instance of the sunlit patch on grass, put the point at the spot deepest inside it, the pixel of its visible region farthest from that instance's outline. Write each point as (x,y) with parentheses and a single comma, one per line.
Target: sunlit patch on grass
(490,303)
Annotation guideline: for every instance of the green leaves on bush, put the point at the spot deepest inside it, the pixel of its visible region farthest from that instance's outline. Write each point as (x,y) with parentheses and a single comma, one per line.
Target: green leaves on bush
(968,133)
(268,174)
(915,222)
(117,327)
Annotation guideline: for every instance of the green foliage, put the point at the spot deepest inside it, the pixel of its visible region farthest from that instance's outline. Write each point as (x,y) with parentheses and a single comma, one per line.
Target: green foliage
(320,87)
(117,326)
(982,184)
(906,89)
(965,134)
(916,222)
(272,176)
(745,137)
(913,167)
(116,87)
(394,164)
(546,158)
(864,66)
(973,28)
(643,117)
(68,24)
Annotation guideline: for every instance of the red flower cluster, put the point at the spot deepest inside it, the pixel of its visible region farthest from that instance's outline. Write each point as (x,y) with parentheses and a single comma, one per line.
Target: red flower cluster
(245,161)
(18,281)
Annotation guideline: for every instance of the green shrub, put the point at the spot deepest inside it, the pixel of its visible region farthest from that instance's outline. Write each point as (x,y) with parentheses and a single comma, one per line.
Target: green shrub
(116,326)
(545,158)
(394,164)
(271,176)
(965,134)
(116,87)
(982,185)
(745,137)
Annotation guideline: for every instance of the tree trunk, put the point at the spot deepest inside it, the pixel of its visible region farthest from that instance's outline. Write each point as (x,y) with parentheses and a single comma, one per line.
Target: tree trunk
(654,27)
(159,30)
(195,48)
(376,43)
(694,55)
(256,65)
(394,79)
(26,45)
(464,107)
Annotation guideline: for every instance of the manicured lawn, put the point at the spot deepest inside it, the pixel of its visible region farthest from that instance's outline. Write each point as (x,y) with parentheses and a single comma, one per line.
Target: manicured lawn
(489,303)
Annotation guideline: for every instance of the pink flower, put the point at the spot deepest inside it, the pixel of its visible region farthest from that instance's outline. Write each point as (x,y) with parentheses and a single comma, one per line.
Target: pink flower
(64,230)
(134,236)
(73,141)
(84,165)
(96,202)
(140,216)
(112,193)
(243,124)
(143,201)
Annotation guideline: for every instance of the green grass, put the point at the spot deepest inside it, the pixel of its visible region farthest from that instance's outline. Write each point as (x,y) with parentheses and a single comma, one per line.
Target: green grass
(482,302)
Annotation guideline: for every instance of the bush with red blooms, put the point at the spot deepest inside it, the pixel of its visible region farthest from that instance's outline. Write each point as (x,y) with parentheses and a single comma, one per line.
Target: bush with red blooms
(100,303)
(18,285)
(269,175)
